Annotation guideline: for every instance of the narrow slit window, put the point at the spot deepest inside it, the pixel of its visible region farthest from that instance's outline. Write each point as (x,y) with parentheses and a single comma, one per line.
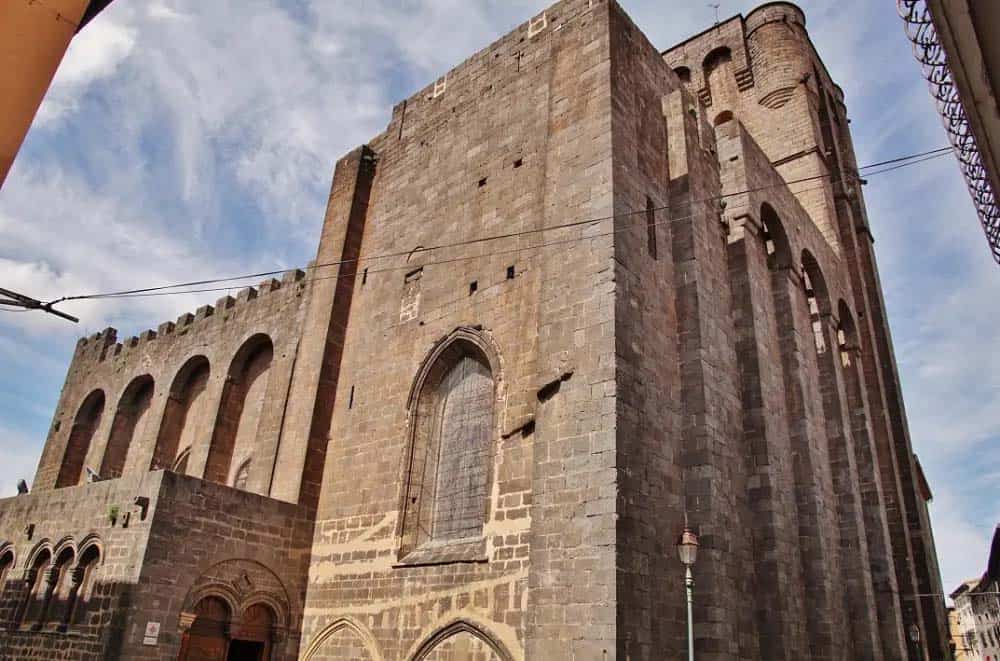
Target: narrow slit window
(473,287)
(510,272)
(651,228)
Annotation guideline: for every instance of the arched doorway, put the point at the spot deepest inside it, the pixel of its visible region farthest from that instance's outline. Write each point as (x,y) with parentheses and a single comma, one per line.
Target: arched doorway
(208,637)
(252,638)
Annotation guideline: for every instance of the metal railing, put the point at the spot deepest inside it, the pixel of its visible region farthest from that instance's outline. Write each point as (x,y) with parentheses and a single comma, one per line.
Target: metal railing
(934,61)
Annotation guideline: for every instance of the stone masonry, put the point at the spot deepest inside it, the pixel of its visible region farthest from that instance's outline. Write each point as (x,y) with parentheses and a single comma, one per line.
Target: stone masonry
(572,295)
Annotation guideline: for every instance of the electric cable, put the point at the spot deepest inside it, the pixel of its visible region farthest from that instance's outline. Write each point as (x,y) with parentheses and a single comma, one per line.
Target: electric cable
(898,162)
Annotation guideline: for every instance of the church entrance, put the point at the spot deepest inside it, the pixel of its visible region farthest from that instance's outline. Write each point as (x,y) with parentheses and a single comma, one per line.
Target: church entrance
(213,636)
(207,639)
(246,650)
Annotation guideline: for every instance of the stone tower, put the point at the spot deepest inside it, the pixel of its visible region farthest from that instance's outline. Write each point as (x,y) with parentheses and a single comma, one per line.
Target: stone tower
(574,292)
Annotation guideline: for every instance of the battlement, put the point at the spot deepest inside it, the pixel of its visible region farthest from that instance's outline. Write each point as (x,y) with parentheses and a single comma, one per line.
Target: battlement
(99,346)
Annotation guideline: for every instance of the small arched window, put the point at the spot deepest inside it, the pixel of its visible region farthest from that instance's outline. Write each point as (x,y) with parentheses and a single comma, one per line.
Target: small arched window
(242,475)
(448,481)
(84,577)
(684,73)
(59,603)
(36,576)
(6,564)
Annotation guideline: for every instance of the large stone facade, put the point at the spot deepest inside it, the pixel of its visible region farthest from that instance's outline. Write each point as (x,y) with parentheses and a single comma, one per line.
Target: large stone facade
(570,296)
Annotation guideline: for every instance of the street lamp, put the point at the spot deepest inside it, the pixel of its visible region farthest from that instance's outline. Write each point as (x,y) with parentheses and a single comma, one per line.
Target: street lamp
(687,551)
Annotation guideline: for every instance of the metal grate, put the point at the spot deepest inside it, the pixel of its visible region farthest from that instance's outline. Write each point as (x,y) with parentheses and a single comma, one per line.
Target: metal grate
(934,61)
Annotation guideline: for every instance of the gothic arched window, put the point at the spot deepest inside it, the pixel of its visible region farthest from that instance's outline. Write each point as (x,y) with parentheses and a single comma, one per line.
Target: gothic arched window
(449,470)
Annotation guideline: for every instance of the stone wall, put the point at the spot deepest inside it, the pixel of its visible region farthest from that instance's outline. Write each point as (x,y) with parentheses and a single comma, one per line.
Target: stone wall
(165,541)
(215,335)
(513,140)
(663,326)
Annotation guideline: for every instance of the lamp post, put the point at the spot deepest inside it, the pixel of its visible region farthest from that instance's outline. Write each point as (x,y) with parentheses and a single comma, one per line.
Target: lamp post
(687,551)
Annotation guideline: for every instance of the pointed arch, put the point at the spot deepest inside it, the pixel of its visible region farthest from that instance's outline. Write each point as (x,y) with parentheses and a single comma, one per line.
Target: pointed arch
(344,632)
(439,641)
(85,424)
(185,406)
(129,423)
(452,407)
(236,425)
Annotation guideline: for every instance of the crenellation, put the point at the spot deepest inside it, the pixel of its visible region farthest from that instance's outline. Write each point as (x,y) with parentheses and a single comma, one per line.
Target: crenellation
(224,303)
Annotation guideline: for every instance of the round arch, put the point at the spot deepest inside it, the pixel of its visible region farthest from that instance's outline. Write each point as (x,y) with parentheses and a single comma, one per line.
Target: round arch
(776,243)
(715,57)
(817,281)
(240,583)
(85,424)
(722,118)
(186,389)
(234,434)
(130,414)
(846,323)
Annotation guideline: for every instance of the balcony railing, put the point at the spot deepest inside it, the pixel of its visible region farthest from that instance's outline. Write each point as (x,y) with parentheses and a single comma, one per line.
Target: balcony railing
(934,61)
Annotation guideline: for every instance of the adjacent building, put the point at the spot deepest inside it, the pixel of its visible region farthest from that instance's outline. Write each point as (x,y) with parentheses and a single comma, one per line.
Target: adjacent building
(976,629)
(955,42)
(567,300)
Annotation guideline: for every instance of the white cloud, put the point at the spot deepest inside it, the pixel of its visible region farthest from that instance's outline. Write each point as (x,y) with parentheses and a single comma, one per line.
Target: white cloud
(94,54)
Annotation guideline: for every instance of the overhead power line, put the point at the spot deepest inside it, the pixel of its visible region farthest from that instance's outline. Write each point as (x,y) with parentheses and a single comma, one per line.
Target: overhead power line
(186,287)
(16,300)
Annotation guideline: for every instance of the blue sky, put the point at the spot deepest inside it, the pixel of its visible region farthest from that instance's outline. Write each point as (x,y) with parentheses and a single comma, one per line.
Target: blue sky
(185,139)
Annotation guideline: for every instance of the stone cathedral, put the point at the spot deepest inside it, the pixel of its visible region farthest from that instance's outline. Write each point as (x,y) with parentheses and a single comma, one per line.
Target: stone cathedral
(578,289)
